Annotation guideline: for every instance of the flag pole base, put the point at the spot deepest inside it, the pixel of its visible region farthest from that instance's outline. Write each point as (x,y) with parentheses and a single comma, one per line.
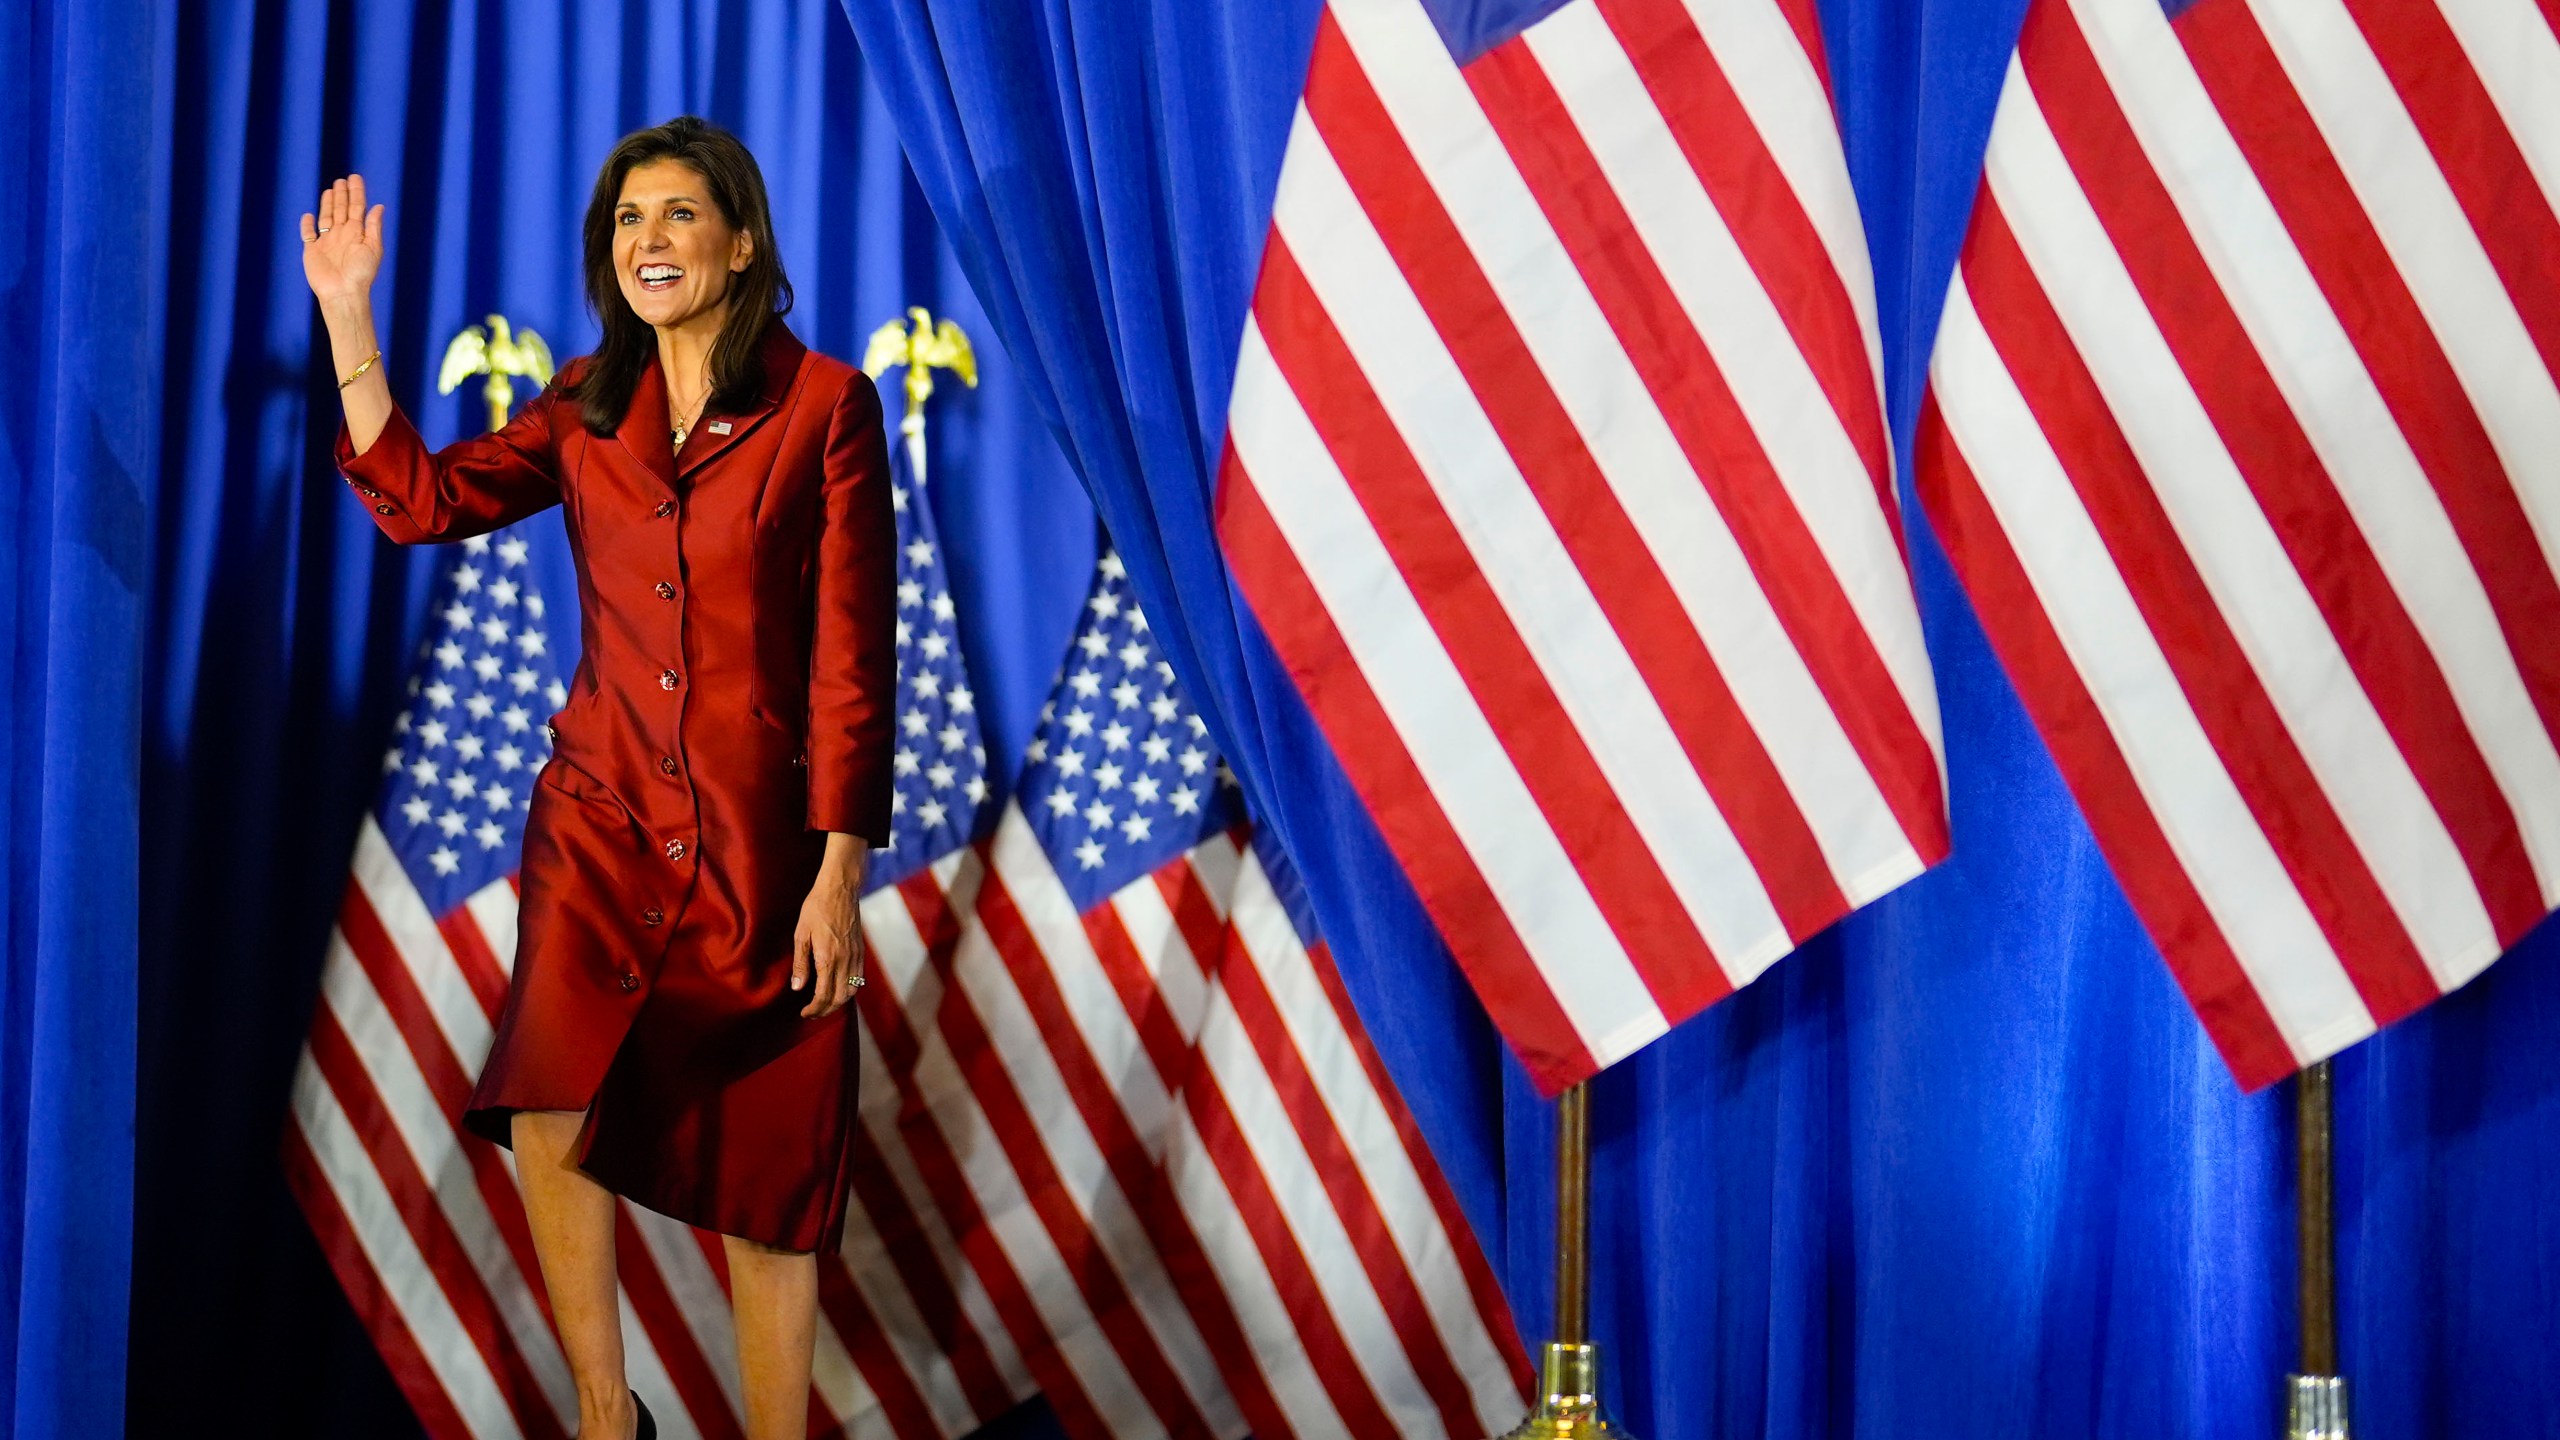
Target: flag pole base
(2315,1407)
(1568,1405)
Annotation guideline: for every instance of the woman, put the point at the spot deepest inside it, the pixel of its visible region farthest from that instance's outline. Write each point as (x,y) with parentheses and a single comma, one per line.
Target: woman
(687,938)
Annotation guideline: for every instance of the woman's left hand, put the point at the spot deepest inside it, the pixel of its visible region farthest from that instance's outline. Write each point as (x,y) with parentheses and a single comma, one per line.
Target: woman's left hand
(826,952)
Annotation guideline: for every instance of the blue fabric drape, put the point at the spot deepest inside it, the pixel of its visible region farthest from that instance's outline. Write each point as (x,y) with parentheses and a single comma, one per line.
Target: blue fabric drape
(1966,1165)
(281,623)
(80,160)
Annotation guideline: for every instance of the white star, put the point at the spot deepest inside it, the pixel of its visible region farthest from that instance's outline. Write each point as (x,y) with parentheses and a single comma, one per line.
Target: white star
(451,822)
(906,631)
(1104,604)
(556,693)
(1125,695)
(503,591)
(424,772)
(1037,753)
(509,757)
(462,784)
(1085,683)
(524,680)
(962,702)
(400,722)
(932,812)
(466,578)
(468,747)
(1094,644)
(905,762)
(489,835)
(445,861)
(1133,655)
(518,718)
(533,606)
(476,545)
(1079,722)
(417,809)
(1107,776)
(1061,803)
(920,553)
(1137,619)
(926,683)
(898,499)
(480,707)
(440,695)
(1111,567)
(498,797)
(487,668)
(1165,669)
(1071,763)
(1137,828)
(1089,854)
(494,630)
(1193,762)
(530,642)
(1198,725)
(1115,736)
(1163,708)
(1143,789)
(935,645)
(512,550)
(390,760)
(941,775)
(457,616)
(941,606)
(916,722)
(910,594)
(976,789)
(449,655)
(1156,748)
(897,802)
(433,734)
(1186,801)
(1098,815)
(953,737)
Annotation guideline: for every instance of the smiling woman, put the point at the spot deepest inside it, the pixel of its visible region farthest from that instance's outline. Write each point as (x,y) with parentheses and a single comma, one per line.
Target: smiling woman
(674,1031)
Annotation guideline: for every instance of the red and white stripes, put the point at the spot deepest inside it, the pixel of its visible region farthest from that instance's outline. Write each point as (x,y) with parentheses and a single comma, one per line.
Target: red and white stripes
(1558,476)
(2245,438)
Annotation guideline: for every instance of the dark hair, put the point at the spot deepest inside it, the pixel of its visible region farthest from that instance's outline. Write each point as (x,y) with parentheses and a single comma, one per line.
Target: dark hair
(756,295)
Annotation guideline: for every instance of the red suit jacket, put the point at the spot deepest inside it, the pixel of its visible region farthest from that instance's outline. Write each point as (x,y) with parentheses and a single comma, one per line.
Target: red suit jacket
(732,704)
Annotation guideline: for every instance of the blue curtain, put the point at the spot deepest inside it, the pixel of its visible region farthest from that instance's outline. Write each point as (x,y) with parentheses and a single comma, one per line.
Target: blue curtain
(1963,1167)
(80,322)
(280,623)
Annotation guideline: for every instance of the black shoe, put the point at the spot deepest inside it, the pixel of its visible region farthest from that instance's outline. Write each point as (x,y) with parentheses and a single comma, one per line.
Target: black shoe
(648,1427)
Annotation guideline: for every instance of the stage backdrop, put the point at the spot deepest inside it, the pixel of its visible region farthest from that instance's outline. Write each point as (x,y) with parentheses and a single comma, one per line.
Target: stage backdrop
(1964,1166)
(281,622)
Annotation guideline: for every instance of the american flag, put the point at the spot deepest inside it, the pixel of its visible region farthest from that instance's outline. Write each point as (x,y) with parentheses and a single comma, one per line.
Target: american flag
(1189,1199)
(1557,474)
(2246,442)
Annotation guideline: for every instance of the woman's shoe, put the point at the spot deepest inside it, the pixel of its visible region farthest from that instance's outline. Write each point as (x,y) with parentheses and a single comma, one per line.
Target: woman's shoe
(648,1427)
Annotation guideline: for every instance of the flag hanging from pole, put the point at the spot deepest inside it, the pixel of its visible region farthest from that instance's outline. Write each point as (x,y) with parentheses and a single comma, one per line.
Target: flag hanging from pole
(2245,439)
(1557,475)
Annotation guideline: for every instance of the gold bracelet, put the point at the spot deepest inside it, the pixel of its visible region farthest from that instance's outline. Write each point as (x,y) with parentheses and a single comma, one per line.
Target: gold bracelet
(359,371)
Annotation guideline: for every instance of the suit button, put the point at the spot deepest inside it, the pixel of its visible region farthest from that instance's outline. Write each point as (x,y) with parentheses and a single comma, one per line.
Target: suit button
(666,591)
(666,508)
(550,734)
(653,916)
(666,679)
(666,764)
(800,760)
(630,981)
(381,509)
(675,849)
(368,492)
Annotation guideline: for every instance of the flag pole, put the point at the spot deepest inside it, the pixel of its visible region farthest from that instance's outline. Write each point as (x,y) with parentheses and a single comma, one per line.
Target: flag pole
(2317,1396)
(1569,1365)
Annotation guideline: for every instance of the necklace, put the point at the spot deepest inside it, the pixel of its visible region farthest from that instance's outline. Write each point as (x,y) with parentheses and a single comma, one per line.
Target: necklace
(684,427)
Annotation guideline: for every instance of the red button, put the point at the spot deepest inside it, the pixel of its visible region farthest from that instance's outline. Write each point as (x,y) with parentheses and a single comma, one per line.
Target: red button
(630,981)
(666,591)
(381,509)
(666,508)
(666,679)
(666,764)
(675,849)
(653,916)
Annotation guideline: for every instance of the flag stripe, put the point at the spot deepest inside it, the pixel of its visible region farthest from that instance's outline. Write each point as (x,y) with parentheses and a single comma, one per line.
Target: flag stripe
(2288,712)
(1505,665)
(1629,265)
(2204,818)
(1514,907)
(2158,874)
(376,1306)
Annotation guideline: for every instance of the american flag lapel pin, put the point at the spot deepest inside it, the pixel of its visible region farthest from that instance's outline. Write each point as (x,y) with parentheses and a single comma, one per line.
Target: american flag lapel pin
(719,427)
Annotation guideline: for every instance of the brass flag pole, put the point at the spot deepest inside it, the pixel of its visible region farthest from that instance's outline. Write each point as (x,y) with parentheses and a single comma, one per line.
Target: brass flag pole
(924,345)
(2316,1397)
(1569,1365)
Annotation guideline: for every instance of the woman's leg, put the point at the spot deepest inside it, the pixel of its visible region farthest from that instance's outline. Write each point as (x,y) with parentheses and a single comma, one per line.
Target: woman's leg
(775,1293)
(572,1219)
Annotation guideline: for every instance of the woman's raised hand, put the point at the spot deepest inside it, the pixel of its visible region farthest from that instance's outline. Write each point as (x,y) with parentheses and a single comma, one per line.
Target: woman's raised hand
(342,245)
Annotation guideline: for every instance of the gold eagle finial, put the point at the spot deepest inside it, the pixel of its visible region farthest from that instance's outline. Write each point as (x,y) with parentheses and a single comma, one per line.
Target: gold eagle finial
(498,353)
(923,345)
